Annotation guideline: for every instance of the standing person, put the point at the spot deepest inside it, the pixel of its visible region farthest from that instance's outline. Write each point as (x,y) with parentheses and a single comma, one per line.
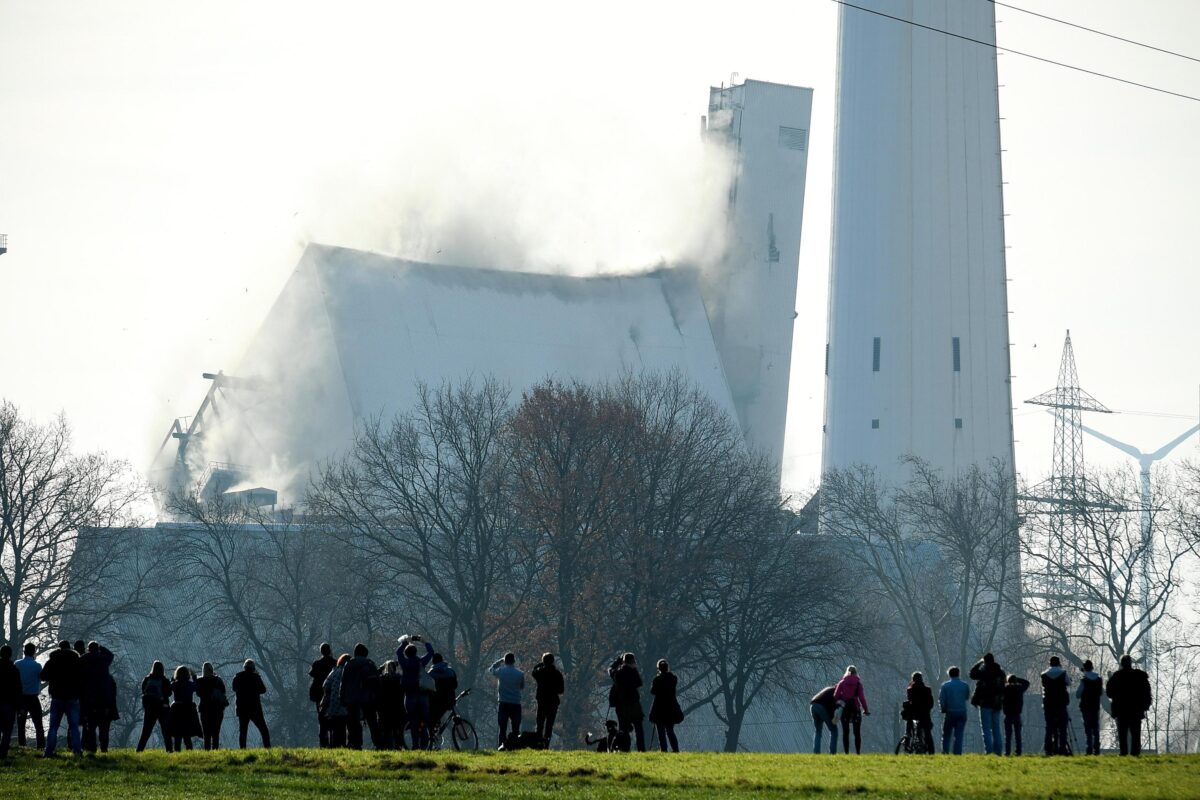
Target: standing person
(210,691)
(665,712)
(64,682)
(331,708)
(97,698)
(920,706)
(952,698)
(156,708)
(853,697)
(1129,690)
(626,699)
(360,693)
(319,671)
(1056,697)
(1014,705)
(185,720)
(390,708)
(31,704)
(550,688)
(510,681)
(445,688)
(248,688)
(989,699)
(824,709)
(12,694)
(415,679)
(1091,687)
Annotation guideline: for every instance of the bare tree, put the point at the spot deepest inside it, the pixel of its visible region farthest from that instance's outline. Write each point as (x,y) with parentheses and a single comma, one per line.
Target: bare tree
(61,517)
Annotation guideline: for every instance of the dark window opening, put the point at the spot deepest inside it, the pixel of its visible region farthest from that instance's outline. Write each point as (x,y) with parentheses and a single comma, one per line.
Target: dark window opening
(772,250)
(958,422)
(875,355)
(957,355)
(874,424)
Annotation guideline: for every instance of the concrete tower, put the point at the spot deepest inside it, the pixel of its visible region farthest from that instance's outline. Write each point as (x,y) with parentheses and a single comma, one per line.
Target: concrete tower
(751,299)
(918,351)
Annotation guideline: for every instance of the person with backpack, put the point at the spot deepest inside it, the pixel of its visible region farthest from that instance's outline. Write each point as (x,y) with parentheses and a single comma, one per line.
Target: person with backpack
(1129,690)
(390,708)
(97,700)
(550,688)
(156,706)
(417,686)
(360,692)
(185,720)
(319,671)
(248,688)
(31,703)
(64,681)
(824,710)
(11,695)
(1014,706)
(953,699)
(1091,688)
(510,682)
(625,696)
(445,688)
(852,698)
(989,699)
(210,691)
(1056,698)
(330,707)
(665,712)
(920,709)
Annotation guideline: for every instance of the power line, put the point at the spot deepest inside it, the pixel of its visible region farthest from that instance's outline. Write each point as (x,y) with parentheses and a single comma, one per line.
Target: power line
(1093,30)
(1019,52)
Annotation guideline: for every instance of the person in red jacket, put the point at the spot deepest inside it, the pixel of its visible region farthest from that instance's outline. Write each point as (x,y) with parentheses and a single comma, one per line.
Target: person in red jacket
(853,701)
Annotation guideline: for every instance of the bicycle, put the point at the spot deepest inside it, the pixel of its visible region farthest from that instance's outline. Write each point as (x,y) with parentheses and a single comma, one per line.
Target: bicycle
(912,742)
(461,731)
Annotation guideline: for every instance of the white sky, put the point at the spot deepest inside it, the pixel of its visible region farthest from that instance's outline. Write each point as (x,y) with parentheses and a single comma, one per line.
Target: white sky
(162,164)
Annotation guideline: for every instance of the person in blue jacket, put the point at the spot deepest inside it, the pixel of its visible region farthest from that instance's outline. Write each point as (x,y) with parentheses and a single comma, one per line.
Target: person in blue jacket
(954,698)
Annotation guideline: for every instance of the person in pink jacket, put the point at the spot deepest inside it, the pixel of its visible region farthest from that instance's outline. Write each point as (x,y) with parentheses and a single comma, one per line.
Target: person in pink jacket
(852,699)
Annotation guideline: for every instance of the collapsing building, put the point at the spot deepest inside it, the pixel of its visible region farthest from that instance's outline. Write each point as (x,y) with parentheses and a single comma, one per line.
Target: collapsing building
(353,334)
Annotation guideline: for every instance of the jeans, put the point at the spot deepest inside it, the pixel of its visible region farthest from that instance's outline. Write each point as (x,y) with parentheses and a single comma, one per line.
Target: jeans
(357,715)
(1012,733)
(59,709)
(546,713)
(823,720)
(30,708)
(1056,730)
(1091,730)
(96,721)
(989,723)
(416,705)
(255,716)
(506,713)
(956,724)
(1131,728)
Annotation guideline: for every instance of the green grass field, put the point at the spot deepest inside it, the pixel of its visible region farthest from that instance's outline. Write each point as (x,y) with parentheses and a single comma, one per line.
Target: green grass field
(313,773)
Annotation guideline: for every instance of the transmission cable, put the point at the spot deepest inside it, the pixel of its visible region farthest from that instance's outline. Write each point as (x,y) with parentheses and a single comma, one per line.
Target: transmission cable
(1093,30)
(1019,52)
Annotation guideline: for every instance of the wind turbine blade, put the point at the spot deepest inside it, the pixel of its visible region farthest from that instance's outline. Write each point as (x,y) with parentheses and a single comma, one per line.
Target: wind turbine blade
(1171,445)
(1124,448)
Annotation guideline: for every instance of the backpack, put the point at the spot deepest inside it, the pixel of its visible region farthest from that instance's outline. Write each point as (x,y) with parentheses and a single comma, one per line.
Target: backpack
(152,692)
(525,740)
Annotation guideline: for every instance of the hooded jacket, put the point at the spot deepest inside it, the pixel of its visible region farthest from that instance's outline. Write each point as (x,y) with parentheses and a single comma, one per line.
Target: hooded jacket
(825,698)
(1089,692)
(509,682)
(1014,696)
(1055,688)
(850,691)
(989,684)
(96,683)
(62,675)
(1129,690)
(360,682)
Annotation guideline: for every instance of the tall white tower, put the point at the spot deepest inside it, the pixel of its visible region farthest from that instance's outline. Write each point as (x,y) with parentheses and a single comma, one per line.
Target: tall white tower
(751,299)
(918,351)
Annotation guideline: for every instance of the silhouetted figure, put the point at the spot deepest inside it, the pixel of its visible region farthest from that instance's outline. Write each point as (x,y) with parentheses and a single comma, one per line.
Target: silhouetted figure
(185,719)
(952,698)
(665,712)
(853,697)
(823,708)
(415,681)
(1129,690)
(31,704)
(989,699)
(1014,706)
(156,708)
(360,692)
(445,688)
(550,688)
(12,694)
(392,718)
(626,698)
(64,682)
(214,699)
(509,683)
(920,709)
(330,707)
(1056,697)
(248,688)
(98,701)
(319,671)
(1091,689)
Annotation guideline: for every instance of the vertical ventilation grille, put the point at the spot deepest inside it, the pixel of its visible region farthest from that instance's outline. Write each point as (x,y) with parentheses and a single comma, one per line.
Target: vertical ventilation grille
(957,355)
(793,138)
(875,355)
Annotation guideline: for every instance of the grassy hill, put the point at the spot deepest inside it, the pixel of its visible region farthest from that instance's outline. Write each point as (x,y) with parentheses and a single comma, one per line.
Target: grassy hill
(309,774)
